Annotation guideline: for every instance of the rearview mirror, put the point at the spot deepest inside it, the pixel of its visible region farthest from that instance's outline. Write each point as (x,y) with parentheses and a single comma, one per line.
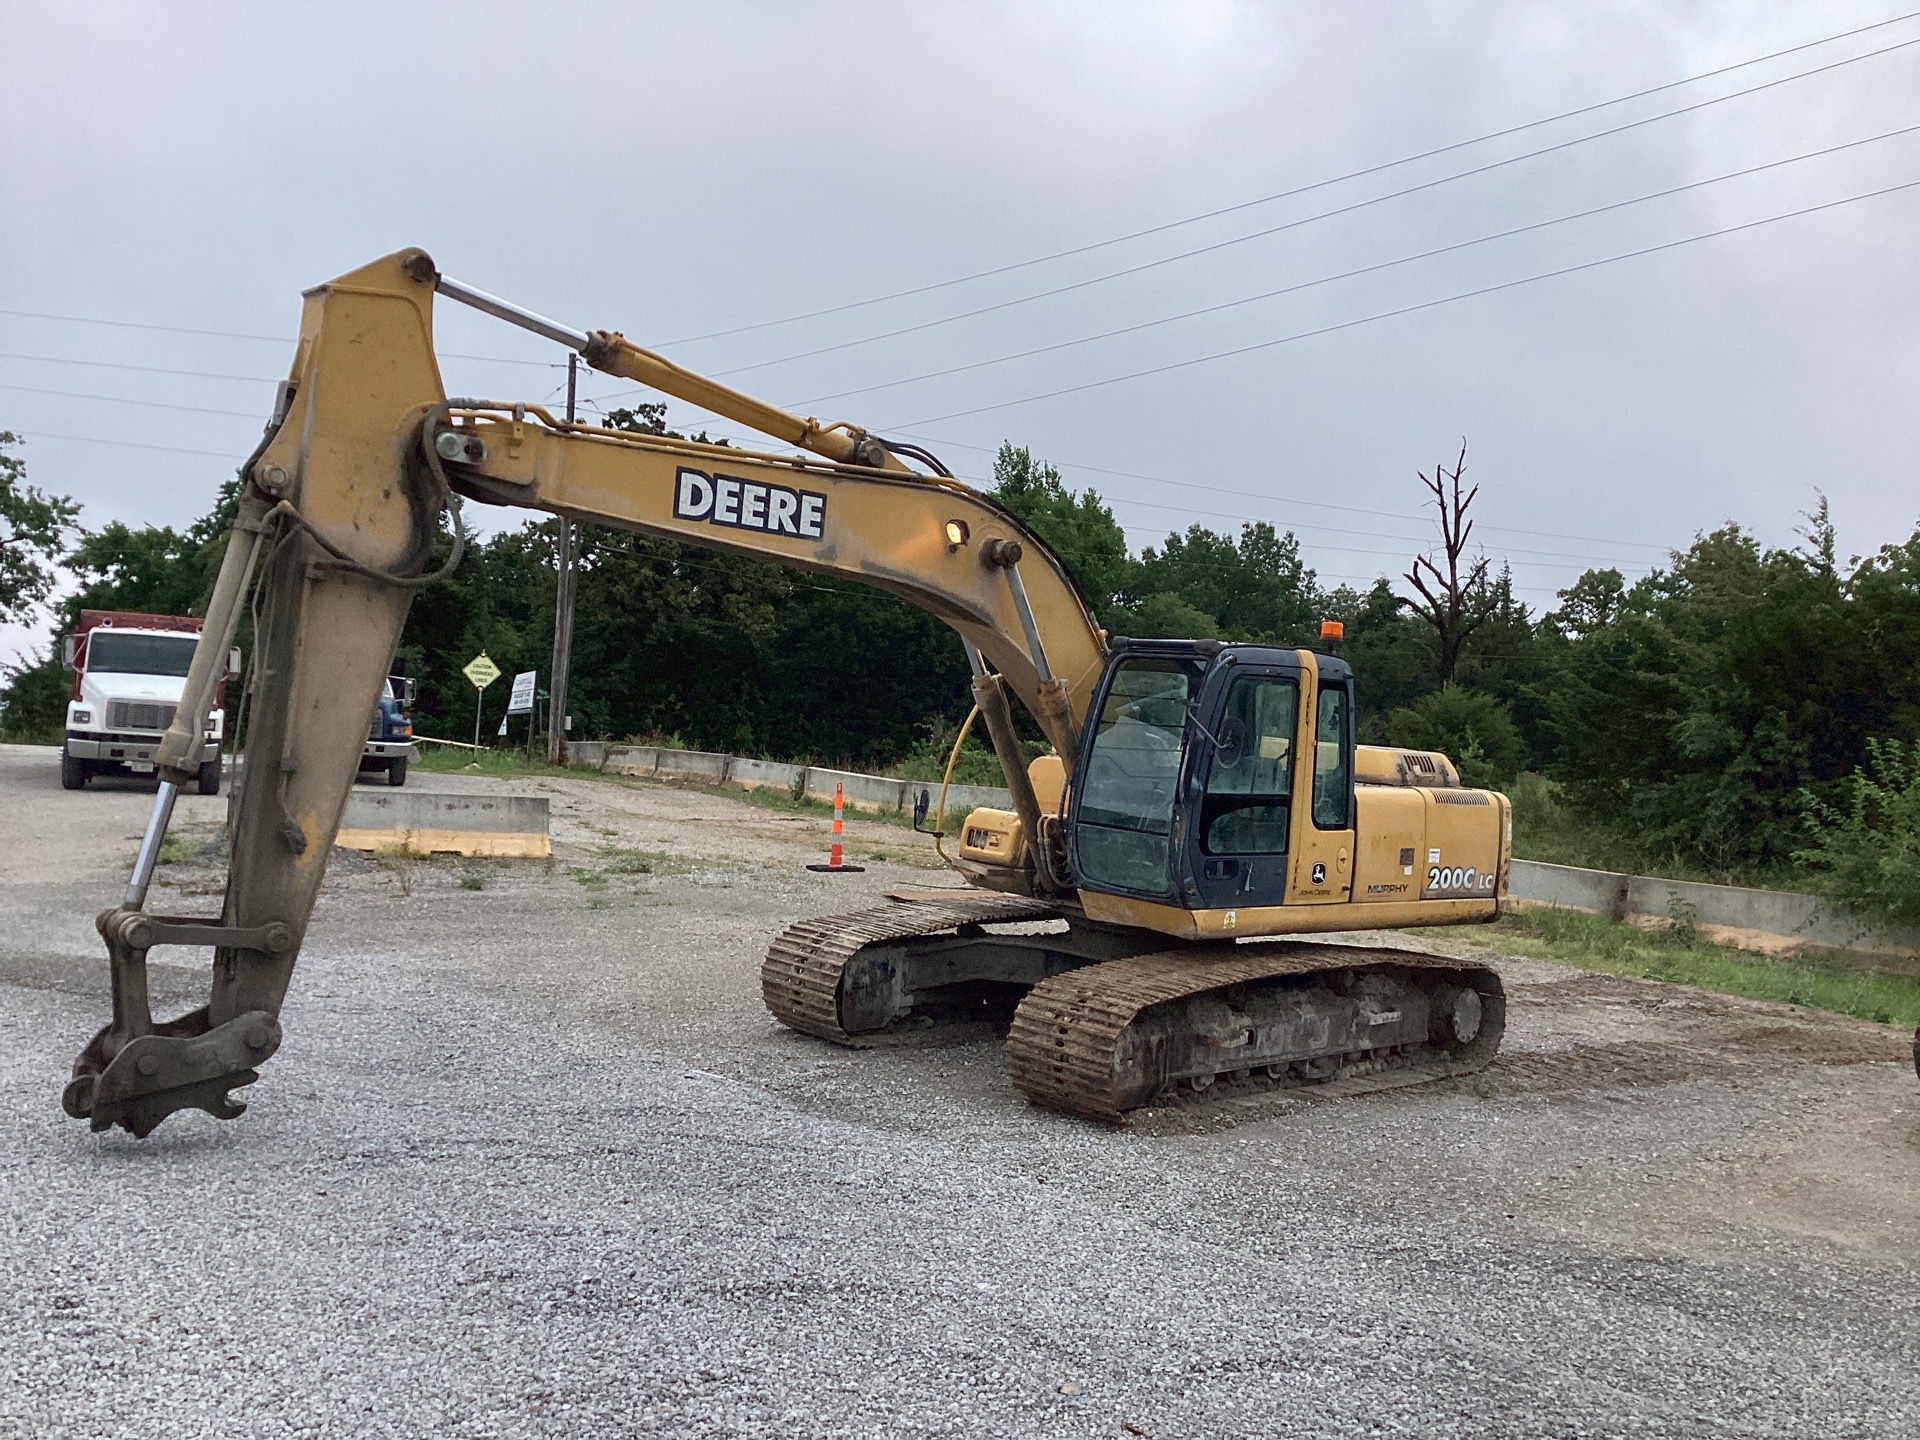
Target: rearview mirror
(233,662)
(66,652)
(1231,748)
(920,812)
(410,688)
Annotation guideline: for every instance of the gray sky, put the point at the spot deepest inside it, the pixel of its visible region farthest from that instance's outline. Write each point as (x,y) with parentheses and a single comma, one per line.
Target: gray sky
(672,171)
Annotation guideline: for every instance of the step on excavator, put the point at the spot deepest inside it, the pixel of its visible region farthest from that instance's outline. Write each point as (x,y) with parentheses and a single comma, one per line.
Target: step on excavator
(1151,898)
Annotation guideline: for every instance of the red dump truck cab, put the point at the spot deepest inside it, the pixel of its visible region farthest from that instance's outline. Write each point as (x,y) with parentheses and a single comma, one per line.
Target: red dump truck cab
(129,670)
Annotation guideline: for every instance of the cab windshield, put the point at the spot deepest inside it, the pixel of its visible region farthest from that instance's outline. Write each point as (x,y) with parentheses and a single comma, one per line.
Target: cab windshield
(112,652)
(1126,810)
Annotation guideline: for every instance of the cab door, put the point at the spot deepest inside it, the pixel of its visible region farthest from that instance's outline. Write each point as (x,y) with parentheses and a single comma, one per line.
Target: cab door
(1323,833)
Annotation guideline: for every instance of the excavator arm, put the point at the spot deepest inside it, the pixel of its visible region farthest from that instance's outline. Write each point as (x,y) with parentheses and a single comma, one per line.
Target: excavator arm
(335,531)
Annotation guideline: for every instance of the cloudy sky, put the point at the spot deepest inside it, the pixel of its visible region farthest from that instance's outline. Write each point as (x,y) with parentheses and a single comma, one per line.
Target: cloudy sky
(171,176)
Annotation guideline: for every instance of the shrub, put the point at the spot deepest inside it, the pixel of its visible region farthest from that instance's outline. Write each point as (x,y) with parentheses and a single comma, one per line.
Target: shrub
(1470,727)
(1869,846)
(33,700)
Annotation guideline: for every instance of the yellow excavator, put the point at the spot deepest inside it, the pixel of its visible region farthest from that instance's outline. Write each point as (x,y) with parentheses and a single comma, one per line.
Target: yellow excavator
(1203,808)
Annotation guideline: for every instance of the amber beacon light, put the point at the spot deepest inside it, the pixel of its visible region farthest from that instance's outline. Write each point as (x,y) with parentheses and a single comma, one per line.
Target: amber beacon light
(1333,631)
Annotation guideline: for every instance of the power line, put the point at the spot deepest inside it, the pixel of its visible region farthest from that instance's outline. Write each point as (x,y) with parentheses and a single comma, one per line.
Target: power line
(1289,225)
(986,485)
(1243,205)
(147,369)
(1316,185)
(1358,271)
(124,400)
(143,325)
(1294,526)
(1278,499)
(234,455)
(239,335)
(1409,309)
(1370,534)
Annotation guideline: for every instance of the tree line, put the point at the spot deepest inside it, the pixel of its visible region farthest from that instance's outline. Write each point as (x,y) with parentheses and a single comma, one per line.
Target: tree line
(1722,711)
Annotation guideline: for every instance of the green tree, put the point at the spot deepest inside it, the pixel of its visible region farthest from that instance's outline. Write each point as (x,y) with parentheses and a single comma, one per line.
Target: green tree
(1468,726)
(1513,657)
(1868,843)
(33,535)
(1389,653)
(1256,589)
(1079,528)
(1729,682)
(33,700)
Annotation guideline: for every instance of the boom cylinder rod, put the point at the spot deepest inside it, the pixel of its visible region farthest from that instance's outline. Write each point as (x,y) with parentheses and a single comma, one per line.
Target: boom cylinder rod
(183,745)
(1025,608)
(149,855)
(616,355)
(506,310)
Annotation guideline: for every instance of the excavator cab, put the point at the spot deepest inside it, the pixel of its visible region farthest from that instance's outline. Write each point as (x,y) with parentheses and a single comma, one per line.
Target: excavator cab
(1209,770)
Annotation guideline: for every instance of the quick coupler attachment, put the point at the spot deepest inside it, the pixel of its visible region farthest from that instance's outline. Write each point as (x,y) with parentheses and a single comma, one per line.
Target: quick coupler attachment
(135,1073)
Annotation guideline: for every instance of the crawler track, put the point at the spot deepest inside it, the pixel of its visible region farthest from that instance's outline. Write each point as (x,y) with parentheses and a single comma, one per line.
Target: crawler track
(1113,1037)
(801,978)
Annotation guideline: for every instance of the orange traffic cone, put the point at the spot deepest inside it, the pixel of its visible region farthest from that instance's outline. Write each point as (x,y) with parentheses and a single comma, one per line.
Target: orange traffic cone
(836,862)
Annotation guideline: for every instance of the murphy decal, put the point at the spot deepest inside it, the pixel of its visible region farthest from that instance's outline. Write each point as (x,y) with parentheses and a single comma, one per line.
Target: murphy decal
(748,504)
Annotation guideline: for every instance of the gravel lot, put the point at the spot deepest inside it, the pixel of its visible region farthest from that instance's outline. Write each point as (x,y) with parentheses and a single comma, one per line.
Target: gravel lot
(533,1160)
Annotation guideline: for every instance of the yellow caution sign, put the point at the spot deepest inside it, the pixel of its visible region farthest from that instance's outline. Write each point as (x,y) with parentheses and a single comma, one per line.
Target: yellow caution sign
(481,671)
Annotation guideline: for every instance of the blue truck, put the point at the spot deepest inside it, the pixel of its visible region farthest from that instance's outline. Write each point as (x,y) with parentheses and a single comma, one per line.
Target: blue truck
(390,732)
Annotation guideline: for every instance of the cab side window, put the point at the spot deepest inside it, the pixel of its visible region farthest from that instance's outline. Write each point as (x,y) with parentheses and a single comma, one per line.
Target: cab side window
(1251,780)
(1331,760)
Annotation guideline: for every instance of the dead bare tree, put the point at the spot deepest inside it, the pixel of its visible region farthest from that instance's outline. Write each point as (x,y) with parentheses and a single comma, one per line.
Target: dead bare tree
(1454,601)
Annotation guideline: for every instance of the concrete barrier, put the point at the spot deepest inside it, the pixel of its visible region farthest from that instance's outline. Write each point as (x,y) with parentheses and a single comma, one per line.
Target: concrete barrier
(701,765)
(442,824)
(764,774)
(870,792)
(587,752)
(1800,919)
(861,791)
(960,799)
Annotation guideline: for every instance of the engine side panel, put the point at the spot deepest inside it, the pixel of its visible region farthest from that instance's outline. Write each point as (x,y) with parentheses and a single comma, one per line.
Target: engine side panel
(1392,844)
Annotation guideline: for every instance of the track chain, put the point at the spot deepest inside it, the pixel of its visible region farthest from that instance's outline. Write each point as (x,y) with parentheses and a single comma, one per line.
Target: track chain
(800,978)
(1067,1031)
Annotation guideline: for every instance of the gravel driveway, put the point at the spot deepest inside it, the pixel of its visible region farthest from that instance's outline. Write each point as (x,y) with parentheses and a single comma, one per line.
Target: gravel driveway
(534,1161)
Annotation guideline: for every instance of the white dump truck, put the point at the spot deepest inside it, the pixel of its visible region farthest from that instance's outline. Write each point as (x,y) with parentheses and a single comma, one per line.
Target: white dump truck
(128,672)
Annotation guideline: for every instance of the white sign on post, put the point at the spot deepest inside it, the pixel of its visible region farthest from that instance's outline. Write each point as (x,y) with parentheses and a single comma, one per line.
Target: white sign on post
(521,701)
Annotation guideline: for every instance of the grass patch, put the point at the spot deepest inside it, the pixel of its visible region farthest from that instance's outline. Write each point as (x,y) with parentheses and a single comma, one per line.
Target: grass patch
(619,860)
(1545,829)
(592,879)
(398,861)
(1846,983)
(174,848)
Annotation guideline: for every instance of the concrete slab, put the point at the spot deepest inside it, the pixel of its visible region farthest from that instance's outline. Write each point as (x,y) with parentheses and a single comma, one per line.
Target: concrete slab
(440,824)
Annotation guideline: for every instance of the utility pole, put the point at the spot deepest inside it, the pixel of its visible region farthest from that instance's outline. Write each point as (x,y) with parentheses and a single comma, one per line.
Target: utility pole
(562,612)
